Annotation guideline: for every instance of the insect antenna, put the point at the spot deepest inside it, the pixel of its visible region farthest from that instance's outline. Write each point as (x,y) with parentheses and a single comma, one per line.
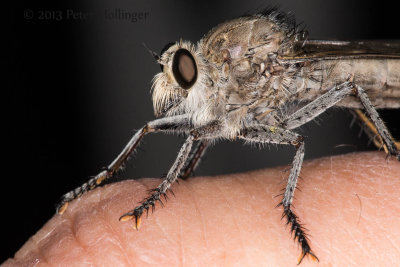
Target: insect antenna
(152,53)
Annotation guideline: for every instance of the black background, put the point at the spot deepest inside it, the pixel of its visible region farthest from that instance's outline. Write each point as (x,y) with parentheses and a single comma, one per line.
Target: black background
(78,88)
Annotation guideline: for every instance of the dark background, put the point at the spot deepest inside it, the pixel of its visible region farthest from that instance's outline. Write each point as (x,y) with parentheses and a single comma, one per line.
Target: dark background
(78,89)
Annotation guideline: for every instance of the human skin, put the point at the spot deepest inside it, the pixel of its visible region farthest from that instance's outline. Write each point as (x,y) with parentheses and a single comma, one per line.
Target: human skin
(350,205)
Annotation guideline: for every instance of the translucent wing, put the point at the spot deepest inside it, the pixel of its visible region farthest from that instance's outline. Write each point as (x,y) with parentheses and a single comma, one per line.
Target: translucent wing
(321,49)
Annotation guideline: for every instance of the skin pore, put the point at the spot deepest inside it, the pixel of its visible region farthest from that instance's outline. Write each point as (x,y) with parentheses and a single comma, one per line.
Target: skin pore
(350,205)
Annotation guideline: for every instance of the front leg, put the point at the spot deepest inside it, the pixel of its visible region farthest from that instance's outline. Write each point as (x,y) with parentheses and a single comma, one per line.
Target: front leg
(161,190)
(270,134)
(203,133)
(177,124)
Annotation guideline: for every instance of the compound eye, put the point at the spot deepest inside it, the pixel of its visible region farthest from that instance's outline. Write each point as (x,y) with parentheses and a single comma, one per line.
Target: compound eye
(184,68)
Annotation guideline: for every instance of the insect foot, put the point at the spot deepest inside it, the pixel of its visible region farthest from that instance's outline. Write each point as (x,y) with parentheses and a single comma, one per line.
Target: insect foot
(298,231)
(145,205)
(136,213)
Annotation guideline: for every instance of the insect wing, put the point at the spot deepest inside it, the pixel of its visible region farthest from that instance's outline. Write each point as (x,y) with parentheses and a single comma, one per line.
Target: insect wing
(329,49)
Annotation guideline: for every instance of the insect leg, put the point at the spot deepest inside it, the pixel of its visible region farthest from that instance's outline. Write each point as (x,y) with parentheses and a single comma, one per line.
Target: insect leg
(201,133)
(194,159)
(162,188)
(318,106)
(371,130)
(377,121)
(171,124)
(268,134)
(329,99)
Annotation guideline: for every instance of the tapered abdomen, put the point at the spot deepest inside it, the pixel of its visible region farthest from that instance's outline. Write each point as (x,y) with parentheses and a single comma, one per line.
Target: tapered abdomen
(380,78)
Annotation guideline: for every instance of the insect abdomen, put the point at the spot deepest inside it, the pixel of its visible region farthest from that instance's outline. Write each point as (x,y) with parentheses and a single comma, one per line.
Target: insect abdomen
(380,78)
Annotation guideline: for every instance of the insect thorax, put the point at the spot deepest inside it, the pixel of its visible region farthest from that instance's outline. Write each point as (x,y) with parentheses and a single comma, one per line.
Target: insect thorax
(239,78)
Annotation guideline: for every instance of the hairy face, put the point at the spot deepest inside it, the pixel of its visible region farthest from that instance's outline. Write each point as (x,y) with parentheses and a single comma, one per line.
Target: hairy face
(180,78)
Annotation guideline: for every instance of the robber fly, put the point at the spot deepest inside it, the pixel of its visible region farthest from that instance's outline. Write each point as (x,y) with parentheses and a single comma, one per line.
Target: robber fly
(258,78)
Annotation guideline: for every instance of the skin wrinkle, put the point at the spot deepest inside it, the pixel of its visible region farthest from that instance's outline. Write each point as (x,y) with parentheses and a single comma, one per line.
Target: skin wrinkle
(368,174)
(381,230)
(180,237)
(37,249)
(249,192)
(157,220)
(85,241)
(180,216)
(99,196)
(196,204)
(68,238)
(388,239)
(252,177)
(207,223)
(330,159)
(393,244)
(79,242)
(181,234)
(185,184)
(164,231)
(37,241)
(222,246)
(123,237)
(180,241)
(357,242)
(223,242)
(117,243)
(257,212)
(239,229)
(117,236)
(243,185)
(259,185)
(320,176)
(44,241)
(33,258)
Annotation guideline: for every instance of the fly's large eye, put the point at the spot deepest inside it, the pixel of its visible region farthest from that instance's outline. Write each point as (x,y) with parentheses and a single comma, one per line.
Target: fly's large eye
(184,68)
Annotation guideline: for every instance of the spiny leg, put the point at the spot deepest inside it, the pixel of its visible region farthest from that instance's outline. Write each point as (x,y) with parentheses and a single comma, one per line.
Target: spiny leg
(377,121)
(194,159)
(208,131)
(318,106)
(179,123)
(368,127)
(329,99)
(315,108)
(291,218)
(172,175)
(372,132)
(270,134)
